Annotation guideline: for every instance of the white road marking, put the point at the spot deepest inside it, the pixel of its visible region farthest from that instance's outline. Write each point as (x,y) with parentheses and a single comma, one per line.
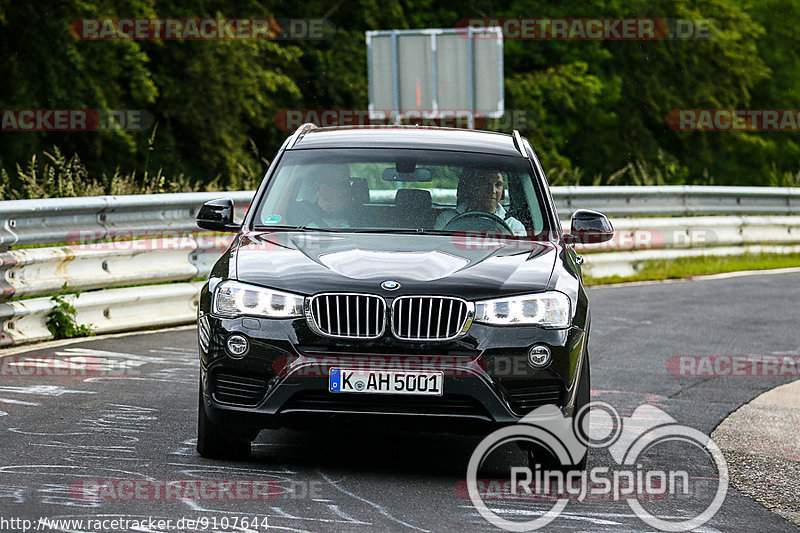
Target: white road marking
(37,434)
(592,517)
(379,508)
(15,492)
(204,469)
(335,509)
(43,390)
(17,402)
(279,513)
(744,273)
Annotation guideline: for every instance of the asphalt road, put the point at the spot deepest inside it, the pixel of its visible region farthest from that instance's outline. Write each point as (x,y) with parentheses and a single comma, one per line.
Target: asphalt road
(135,419)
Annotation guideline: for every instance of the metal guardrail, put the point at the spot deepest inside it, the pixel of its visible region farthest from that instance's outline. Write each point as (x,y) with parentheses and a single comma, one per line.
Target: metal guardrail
(696,232)
(679,200)
(65,220)
(26,222)
(658,201)
(107,311)
(109,244)
(36,271)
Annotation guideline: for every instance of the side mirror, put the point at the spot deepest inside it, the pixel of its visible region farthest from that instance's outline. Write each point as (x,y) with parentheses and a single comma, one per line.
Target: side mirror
(589,227)
(217,215)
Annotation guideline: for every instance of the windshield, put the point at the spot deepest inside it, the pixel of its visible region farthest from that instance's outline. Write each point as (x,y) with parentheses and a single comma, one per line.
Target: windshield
(402,190)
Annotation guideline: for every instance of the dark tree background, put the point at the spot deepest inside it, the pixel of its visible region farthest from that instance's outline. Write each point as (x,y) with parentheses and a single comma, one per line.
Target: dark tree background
(600,106)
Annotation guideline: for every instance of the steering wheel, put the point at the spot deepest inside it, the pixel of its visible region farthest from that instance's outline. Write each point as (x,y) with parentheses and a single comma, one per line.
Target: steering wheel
(478,220)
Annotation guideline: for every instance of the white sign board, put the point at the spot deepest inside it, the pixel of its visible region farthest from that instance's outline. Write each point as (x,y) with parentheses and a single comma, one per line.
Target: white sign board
(435,73)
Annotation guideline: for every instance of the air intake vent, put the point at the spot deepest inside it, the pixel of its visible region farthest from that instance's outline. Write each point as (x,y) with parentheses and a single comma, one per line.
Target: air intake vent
(347,316)
(453,405)
(238,390)
(526,400)
(426,318)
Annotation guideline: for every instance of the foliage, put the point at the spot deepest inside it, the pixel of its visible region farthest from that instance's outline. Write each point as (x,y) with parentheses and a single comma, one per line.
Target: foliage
(56,176)
(597,107)
(62,320)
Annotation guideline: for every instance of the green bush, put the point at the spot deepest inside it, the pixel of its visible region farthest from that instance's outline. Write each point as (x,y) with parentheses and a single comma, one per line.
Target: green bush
(62,320)
(54,175)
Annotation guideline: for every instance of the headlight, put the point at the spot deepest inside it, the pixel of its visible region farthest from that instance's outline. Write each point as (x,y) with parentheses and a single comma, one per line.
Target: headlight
(548,309)
(233,299)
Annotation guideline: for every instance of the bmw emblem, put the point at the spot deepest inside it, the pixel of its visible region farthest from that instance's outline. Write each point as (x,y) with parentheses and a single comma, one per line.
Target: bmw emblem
(390,285)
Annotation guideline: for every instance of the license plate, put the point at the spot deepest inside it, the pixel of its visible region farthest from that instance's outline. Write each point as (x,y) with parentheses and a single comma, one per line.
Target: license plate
(385,382)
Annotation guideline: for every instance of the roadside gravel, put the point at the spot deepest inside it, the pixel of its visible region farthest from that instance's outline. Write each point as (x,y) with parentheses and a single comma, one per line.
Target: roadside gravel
(761,442)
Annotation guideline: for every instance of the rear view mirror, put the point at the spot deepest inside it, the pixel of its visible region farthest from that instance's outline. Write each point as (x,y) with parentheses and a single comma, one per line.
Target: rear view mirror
(217,215)
(419,174)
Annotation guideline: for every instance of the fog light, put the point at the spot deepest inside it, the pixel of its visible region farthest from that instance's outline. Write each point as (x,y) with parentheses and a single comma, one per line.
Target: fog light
(237,346)
(539,356)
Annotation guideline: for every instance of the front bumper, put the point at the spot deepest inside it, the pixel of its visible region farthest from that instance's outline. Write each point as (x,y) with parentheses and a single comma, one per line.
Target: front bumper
(283,379)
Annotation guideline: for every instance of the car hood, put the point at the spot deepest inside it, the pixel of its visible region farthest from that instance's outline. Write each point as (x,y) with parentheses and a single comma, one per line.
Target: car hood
(312,262)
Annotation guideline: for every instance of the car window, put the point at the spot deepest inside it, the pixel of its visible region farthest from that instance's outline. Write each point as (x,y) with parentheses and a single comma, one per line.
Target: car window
(374,189)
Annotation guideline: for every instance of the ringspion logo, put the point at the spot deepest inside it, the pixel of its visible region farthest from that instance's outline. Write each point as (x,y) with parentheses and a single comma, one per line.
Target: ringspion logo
(627,440)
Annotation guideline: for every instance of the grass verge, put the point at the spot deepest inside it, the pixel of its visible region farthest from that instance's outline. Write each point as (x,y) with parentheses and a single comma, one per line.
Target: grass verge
(685,267)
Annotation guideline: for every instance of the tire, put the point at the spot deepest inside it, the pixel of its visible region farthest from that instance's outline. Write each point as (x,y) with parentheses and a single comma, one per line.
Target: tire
(213,441)
(582,398)
(538,455)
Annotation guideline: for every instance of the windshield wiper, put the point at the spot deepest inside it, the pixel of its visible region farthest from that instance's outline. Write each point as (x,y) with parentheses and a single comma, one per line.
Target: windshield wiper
(392,231)
(398,231)
(297,228)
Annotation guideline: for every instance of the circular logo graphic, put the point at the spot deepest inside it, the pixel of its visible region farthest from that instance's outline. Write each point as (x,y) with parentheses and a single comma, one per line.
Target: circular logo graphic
(626,439)
(390,285)
(359,385)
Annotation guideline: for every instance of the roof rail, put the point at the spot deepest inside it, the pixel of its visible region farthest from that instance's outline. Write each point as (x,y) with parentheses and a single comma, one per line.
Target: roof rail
(299,132)
(519,145)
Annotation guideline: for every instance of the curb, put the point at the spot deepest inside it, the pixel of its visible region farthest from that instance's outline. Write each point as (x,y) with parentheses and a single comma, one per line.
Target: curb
(761,443)
(65,342)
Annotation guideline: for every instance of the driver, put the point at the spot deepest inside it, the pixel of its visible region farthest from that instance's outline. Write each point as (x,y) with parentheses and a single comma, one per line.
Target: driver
(333,206)
(481,190)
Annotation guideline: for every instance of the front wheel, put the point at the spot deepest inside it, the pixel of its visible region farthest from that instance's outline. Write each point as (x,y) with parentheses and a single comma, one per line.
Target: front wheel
(582,399)
(539,456)
(213,441)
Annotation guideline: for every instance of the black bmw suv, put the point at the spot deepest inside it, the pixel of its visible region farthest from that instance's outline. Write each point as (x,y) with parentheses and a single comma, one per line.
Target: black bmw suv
(405,274)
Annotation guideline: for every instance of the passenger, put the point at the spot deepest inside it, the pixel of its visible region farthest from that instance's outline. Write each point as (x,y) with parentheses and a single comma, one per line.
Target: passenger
(481,190)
